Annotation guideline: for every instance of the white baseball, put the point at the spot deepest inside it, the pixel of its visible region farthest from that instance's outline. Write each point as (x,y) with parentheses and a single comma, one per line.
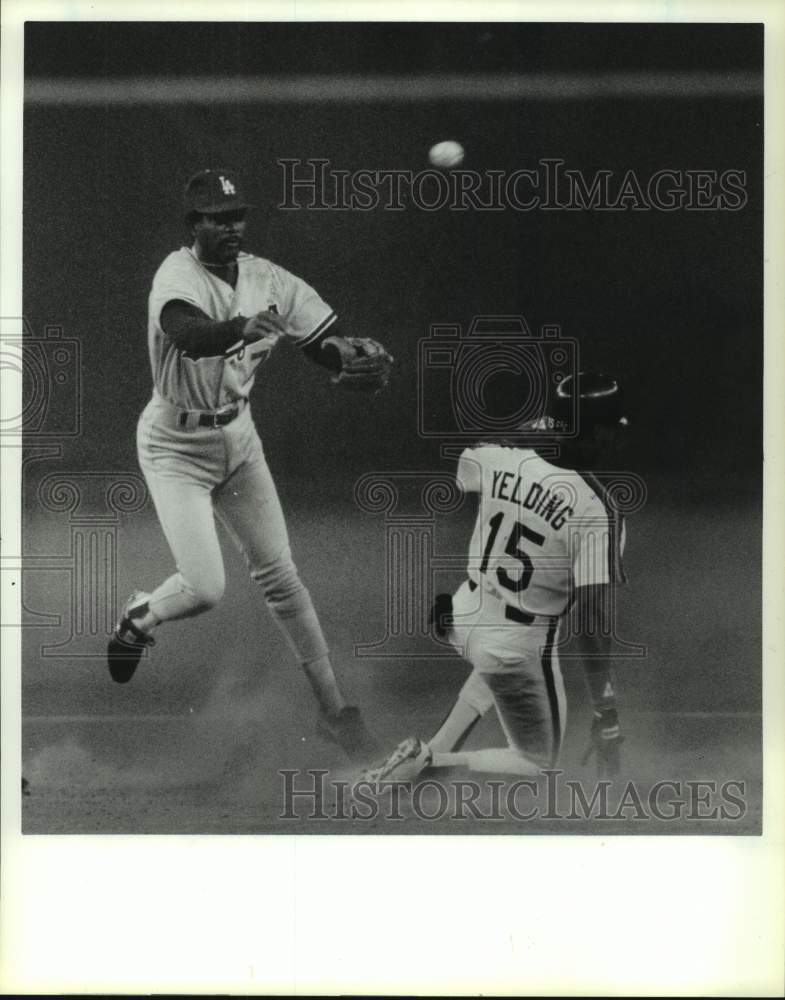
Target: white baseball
(446,154)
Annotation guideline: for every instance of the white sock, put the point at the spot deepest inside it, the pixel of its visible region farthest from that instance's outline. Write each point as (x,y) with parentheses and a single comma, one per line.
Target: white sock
(321,677)
(142,617)
(501,760)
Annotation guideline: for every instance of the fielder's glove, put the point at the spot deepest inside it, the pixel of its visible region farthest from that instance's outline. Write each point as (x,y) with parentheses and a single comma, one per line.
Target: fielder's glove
(605,741)
(361,363)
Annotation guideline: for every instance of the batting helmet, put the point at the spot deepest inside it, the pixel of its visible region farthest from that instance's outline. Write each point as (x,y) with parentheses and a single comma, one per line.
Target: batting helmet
(590,398)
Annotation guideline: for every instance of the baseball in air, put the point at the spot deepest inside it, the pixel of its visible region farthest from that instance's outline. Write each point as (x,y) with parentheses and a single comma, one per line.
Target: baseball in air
(446,155)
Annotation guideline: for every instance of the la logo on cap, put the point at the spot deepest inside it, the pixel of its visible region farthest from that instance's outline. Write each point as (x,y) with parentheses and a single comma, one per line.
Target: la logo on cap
(226,186)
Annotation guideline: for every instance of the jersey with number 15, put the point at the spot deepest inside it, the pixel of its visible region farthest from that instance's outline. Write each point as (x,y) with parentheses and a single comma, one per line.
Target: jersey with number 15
(541,530)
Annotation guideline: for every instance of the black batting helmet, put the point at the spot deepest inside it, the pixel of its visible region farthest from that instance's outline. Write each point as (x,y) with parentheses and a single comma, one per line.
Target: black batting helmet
(587,400)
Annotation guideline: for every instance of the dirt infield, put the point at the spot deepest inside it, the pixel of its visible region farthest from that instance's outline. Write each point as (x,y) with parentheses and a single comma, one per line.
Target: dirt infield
(197,742)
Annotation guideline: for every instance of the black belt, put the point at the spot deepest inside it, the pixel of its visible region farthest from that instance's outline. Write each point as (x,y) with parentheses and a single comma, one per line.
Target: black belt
(213,419)
(511,613)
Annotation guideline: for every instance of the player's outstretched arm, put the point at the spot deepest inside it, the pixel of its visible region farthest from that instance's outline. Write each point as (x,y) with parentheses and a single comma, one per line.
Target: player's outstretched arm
(356,362)
(192,330)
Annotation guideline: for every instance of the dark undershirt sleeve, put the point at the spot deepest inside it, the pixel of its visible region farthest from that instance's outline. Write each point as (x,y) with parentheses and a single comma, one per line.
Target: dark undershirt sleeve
(327,359)
(193,332)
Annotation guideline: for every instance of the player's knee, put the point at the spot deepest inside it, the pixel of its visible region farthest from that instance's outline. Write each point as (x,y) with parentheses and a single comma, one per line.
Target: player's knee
(540,758)
(542,753)
(280,582)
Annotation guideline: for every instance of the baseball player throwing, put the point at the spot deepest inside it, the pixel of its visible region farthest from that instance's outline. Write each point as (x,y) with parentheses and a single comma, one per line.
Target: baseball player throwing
(546,550)
(215,314)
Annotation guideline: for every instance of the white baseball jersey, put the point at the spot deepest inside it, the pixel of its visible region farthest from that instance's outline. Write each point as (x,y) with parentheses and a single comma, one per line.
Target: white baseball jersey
(541,530)
(210,383)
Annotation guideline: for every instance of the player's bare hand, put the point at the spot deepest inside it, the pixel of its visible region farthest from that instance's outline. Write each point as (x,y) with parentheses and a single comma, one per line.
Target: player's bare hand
(262,325)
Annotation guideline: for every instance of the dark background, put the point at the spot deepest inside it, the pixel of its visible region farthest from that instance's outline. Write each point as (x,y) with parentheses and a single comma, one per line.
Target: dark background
(672,302)
(193,49)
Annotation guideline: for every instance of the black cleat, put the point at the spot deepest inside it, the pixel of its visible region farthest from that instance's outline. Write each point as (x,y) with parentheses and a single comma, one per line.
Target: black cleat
(349,731)
(127,643)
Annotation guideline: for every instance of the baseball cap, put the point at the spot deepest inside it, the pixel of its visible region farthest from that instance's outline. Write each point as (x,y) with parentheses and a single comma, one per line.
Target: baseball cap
(211,191)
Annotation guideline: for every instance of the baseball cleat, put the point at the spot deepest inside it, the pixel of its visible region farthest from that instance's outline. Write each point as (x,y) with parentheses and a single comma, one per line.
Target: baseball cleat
(405,763)
(128,642)
(349,731)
